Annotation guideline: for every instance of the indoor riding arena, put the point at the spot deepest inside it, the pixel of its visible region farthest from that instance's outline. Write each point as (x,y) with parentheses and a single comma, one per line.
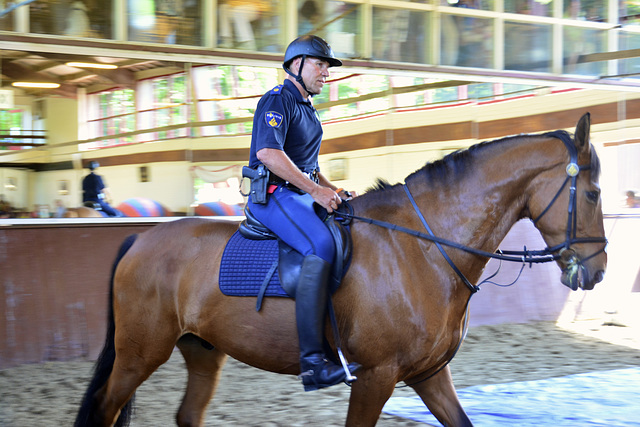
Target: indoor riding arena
(162,94)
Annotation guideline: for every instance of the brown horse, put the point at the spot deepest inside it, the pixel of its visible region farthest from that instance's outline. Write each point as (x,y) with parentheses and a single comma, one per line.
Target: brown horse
(82,212)
(400,308)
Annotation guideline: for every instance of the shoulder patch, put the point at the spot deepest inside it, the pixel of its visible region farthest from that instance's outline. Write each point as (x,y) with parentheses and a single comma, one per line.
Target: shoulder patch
(276,90)
(273,119)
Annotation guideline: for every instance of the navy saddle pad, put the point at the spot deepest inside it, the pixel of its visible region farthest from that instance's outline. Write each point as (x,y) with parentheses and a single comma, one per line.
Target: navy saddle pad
(246,264)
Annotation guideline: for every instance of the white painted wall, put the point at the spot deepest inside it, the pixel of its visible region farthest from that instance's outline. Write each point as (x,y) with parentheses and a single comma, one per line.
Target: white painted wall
(19,196)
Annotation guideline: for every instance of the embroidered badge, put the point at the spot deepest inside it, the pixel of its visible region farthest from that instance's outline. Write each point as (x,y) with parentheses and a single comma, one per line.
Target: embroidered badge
(273,119)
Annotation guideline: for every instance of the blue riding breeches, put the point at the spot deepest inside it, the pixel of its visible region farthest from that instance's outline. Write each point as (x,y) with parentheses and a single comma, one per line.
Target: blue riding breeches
(106,208)
(291,217)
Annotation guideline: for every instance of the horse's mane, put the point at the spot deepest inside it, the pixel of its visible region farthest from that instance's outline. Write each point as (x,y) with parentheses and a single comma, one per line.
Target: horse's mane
(454,165)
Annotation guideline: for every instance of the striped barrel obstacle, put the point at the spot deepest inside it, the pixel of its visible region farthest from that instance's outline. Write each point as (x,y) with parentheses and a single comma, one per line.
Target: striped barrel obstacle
(218,209)
(140,207)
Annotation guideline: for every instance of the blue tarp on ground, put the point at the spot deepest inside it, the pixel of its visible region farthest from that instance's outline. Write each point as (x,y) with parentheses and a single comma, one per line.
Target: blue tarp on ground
(607,398)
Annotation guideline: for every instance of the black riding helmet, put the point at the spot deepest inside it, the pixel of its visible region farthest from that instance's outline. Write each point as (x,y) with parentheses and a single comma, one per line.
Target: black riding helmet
(304,46)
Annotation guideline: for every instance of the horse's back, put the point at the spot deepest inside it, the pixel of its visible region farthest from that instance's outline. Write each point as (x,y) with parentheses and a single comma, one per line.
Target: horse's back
(81,212)
(172,255)
(187,228)
(182,240)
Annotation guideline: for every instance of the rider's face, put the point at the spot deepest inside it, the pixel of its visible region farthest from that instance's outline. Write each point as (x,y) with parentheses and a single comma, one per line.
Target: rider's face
(314,74)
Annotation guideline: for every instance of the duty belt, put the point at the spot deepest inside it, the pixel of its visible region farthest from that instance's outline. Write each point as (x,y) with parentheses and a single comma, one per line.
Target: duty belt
(275,179)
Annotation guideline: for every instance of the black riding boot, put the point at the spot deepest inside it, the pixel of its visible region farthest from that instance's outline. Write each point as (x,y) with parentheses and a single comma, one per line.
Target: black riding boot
(311,304)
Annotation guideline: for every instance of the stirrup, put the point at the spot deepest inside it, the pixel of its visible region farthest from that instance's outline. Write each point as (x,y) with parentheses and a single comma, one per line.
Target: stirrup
(312,378)
(348,368)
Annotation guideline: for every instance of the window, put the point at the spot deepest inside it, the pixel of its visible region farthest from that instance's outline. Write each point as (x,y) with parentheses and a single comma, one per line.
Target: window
(162,102)
(250,25)
(226,92)
(111,113)
(399,35)
(578,41)
(527,47)
(472,4)
(345,86)
(585,10)
(12,132)
(170,105)
(341,28)
(71,18)
(529,7)
(165,21)
(467,41)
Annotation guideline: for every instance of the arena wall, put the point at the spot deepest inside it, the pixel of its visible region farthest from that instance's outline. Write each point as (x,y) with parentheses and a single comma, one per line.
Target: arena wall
(54,278)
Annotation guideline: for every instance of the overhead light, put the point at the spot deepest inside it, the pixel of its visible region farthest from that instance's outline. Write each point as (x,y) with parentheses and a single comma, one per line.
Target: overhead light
(92,65)
(42,85)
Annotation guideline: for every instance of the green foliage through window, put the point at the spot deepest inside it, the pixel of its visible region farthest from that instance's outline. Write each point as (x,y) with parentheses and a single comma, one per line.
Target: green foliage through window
(232,92)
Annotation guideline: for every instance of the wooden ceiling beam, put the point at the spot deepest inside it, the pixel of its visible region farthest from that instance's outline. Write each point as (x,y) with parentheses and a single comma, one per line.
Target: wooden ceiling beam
(17,72)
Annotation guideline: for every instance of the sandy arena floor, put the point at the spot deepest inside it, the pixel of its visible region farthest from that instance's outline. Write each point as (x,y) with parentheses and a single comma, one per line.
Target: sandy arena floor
(48,394)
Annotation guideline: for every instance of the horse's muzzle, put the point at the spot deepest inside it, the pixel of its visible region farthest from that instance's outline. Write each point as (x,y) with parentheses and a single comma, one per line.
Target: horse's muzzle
(575,274)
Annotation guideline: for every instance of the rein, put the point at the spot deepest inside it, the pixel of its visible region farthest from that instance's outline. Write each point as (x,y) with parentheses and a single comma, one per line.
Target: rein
(525,256)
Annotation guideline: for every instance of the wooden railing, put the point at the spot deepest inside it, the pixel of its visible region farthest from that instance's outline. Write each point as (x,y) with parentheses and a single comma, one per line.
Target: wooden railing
(22,138)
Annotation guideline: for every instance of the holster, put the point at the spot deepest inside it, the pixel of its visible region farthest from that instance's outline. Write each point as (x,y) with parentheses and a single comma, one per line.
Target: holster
(259,182)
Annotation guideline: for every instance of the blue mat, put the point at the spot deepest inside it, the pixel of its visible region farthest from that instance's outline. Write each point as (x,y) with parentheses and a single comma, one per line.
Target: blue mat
(608,398)
(245,264)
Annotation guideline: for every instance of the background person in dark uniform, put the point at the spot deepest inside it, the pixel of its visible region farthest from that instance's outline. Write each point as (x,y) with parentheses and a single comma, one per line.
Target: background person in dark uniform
(286,138)
(94,190)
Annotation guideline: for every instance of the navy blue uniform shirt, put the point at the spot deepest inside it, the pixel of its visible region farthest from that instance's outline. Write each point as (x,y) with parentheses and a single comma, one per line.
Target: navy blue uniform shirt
(92,186)
(286,121)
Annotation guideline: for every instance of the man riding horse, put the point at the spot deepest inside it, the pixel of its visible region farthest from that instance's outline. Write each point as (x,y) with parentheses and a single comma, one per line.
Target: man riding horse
(286,139)
(95,192)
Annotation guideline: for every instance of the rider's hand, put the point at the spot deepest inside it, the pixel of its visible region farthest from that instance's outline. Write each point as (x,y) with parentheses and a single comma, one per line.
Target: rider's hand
(326,197)
(345,194)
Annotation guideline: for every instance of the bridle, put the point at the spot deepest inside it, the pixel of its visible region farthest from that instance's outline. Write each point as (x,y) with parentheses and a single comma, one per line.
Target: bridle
(562,250)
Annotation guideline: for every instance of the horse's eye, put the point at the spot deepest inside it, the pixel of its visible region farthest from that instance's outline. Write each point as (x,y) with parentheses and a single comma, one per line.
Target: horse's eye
(593,196)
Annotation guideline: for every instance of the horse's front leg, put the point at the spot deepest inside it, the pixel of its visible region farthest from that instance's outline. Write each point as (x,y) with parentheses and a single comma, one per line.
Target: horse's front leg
(369,393)
(440,396)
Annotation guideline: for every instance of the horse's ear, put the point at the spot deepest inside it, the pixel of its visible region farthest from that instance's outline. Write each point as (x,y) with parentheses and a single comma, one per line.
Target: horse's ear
(582,132)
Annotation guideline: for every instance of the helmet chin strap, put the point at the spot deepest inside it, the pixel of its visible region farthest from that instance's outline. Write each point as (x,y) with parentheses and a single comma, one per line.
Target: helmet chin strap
(299,76)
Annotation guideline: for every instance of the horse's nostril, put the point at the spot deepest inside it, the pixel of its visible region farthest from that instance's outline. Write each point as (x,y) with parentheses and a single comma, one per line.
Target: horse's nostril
(598,276)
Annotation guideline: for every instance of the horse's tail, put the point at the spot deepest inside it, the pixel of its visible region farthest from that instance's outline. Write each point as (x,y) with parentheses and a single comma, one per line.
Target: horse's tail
(104,364)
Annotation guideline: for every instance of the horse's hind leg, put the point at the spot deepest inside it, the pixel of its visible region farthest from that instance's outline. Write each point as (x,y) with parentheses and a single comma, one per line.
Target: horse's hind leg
(204,364)
(141,345)
(439,394)
(131,368)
